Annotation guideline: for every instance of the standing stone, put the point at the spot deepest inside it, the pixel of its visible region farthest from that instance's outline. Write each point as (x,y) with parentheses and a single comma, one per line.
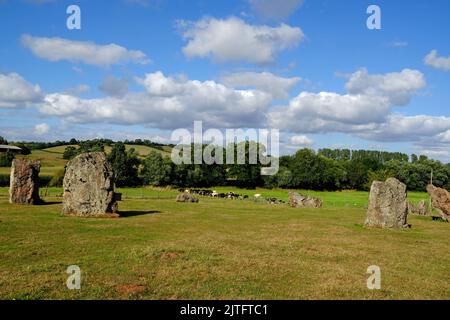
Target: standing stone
(440,200)
(297,200)
(388,207)
(89,186)
(24,182)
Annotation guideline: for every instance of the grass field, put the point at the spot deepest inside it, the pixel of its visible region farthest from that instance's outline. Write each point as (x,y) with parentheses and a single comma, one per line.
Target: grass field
(218,249)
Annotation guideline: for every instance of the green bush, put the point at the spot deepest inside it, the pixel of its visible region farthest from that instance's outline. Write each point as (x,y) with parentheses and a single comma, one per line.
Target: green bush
(45,181)
(4,180)
(58,178)
(6,159)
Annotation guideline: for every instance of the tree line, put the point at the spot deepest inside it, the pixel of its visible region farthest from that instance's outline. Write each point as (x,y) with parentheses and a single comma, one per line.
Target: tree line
(326,169)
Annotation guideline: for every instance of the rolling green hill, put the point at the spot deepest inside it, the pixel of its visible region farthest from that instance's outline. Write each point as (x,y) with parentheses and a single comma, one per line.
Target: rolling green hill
(52,158)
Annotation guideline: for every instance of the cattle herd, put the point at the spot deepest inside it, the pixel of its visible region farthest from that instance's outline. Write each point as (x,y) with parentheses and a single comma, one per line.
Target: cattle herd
(230,195)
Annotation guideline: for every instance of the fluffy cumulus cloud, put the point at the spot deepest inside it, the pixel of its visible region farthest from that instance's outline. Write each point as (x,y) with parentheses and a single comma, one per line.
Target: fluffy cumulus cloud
(301,141)
(41,129)
(233,39)
(275,9)
(398,87)
(365,110)
(399,127)
(57,49)
(166,103)
(278,87)
(16,92)
(434,60)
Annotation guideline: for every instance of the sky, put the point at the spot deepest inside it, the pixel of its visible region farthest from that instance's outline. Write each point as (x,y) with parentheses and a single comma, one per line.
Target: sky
(309,68)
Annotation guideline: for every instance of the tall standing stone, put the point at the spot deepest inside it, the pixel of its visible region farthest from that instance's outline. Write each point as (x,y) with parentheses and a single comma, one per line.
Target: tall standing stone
(24,182)
(388,207)
(89,186)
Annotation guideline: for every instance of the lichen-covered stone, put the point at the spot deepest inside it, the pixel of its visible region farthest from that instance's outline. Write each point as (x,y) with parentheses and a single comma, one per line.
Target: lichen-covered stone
(440,200)
(388,207)
(89,186)
(186,197)
(297,200)
(24,182)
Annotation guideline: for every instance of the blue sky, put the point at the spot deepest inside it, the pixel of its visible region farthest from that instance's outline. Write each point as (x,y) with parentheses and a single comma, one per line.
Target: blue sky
(140,69)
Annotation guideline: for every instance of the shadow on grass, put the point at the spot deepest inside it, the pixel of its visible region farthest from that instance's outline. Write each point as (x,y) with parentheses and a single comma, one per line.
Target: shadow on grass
(128,214)
(47,203)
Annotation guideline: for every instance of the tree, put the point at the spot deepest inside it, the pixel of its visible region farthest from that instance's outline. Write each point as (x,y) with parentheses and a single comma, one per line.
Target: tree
(25,150)
(6,159)
(246,174)
(357,174)
(69,153)
(125,165)
(3,140)
(306,170)
(156,170)
(91,146)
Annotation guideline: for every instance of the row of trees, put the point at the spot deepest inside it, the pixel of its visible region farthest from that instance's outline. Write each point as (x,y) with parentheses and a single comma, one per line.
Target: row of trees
(341,169)
(326,169)
(305,170)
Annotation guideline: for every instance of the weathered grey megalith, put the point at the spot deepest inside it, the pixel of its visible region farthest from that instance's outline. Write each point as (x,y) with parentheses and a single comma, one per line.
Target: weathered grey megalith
(89,186)
(24,182)
(388,207)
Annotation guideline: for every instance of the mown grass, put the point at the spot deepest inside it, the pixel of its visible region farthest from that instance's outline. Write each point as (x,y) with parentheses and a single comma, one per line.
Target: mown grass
(218,249)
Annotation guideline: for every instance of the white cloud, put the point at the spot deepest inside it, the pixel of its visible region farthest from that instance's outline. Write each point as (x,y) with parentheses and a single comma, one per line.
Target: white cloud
(275,9)
(114,87)
(16,92)
(399,127)
(234,40)
(167,103)
(278,87)
(398,87)
(41,129)
(328,111)
(301,141)
(437,62)
(57,49)
(367,107)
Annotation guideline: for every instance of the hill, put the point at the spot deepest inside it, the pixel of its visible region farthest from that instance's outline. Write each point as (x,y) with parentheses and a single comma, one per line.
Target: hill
(52,158)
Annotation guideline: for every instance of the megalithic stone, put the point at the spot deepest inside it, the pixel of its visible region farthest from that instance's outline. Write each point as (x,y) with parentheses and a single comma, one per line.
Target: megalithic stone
(440,200)
(388,207)
(89,186)
(24,182)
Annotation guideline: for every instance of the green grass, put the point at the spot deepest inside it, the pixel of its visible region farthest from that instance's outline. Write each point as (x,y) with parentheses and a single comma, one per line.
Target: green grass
(218,249)
(143,151)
